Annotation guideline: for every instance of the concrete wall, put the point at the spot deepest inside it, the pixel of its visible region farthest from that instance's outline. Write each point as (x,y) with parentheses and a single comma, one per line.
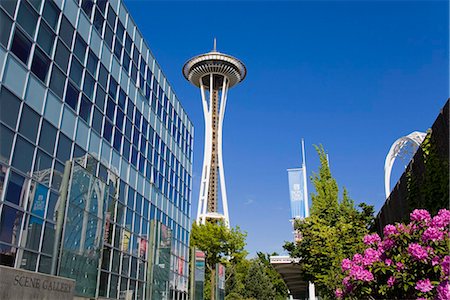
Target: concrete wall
(21,284)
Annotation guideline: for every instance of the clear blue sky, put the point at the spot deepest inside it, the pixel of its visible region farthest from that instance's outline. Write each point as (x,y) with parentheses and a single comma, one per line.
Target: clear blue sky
(351,75)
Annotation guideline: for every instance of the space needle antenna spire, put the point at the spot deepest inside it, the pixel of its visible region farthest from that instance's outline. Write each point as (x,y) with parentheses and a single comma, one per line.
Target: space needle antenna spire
(214,73)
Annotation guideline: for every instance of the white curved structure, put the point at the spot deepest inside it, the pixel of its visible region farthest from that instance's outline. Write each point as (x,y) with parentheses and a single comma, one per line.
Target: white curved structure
(214,73)
(415,138)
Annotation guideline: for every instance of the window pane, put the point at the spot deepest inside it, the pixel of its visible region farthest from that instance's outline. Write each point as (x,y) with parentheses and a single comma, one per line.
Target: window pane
(62,56)
(9,6)
(100,98)
(48,137)
(36,4)
(51,14)
(57,81)
(111,17)
(42,165)
(122,99)
(98,21)
(5,145)
(23,155)
(78,151)
(72,96)
(64,148)
(107,130)
(102,5)
(92,63)
(103,288)
(28,261)
(51,209)
(21,46)
(80,48)
(117,140)
(58,171)
(118,49)
(103,76)
(40,64)
(46,38)
(119,119)
(109,36)
(126,63)
(112,87)
(9,108)
(120,31)
(97,121)
(88,86)
(49,238)
(7,253)
(27,18)
(10,223)
(76,71)
(29,123)
(45,264)
(87,5)
(66,32)
(85,109)
(15,190)
(5,25)
(32,232)
(110,108)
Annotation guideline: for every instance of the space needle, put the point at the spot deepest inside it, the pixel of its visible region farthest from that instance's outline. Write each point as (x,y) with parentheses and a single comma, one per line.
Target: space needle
(214,73)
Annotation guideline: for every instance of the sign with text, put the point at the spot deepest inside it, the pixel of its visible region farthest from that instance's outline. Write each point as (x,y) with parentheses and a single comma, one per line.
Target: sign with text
(21,284)
(297,193)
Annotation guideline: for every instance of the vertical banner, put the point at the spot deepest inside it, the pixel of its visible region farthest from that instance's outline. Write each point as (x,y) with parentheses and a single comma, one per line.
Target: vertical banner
(199,274)
(297,193)
(39,202)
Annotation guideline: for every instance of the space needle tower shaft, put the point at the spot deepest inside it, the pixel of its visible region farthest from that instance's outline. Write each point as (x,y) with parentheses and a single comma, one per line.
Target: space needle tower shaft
(214,73)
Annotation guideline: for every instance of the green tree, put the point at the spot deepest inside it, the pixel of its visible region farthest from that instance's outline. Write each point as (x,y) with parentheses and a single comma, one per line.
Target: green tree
(257,283)
(334,231)
(220,244)
(255,279)
(325,203)
(281,290)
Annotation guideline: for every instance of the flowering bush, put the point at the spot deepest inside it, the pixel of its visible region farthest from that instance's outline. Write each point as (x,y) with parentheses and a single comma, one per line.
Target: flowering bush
(411,262)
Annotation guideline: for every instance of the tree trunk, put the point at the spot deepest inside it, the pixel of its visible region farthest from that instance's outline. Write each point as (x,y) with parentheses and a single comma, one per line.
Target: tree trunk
(213,282)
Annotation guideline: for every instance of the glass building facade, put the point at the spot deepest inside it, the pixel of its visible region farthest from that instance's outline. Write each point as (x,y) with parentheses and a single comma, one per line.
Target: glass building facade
(95,152)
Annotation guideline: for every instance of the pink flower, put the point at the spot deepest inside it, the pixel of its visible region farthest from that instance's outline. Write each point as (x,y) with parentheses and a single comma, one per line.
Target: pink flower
(421,298)
(347,284)
(424,285)
(438,222)
(391,281)
(420,215)
(338,293)
(443,291)
(372,239)
(435,261)
(444,216)
(346,264)
(417,251)
(357,258)
(370,256)
(432,234)
(387,244)
(388,261)
(389,229)
(399,266)
(446,265)
(359,273)
(366,276)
